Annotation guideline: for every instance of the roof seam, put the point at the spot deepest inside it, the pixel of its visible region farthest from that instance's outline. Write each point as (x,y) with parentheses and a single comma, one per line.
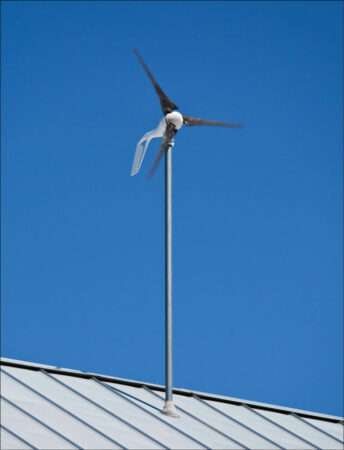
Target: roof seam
(160,419)
(281,427)
(201,421)
(317,428)
(43,424)
(97,405)
(63,409)
(16,436)
(238,422)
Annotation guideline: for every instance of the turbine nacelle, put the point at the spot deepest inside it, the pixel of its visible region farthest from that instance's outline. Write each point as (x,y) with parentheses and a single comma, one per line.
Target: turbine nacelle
(175,118)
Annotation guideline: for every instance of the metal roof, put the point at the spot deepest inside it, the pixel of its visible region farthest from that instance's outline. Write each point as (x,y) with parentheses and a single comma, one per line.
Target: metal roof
(47,407)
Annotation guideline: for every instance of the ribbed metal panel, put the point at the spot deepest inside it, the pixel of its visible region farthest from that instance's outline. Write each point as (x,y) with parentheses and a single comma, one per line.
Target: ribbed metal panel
(45,407)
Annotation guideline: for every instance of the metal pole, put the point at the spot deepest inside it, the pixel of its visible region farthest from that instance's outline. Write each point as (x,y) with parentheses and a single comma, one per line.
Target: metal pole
(169,407)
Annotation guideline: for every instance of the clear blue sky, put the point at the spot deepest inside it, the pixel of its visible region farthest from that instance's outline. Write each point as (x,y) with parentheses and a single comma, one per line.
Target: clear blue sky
(258,310)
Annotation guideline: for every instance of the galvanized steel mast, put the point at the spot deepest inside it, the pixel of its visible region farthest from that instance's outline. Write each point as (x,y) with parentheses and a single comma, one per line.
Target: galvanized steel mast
(169,407)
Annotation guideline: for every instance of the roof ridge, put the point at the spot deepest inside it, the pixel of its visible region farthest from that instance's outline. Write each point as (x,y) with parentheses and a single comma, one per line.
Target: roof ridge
(180,391)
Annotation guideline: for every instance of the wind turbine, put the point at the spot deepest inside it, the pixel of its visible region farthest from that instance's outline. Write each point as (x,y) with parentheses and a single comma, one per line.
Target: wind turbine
(167,129)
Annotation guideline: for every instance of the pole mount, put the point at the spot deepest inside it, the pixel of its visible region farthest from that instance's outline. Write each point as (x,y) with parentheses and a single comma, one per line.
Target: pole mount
(170,409)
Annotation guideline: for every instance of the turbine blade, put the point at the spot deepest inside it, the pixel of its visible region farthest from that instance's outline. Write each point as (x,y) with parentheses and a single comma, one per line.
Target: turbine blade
(193,121)
(168,136)
(167,105)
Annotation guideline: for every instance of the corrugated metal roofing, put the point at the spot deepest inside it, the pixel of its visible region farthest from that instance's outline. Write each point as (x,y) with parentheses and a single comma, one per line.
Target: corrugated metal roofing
(46,407)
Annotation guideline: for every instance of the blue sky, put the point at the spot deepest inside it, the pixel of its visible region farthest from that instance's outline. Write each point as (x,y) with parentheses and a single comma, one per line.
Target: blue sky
(257,211)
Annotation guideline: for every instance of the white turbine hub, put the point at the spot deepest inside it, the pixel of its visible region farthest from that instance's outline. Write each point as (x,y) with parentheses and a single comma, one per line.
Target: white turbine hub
(176,118)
